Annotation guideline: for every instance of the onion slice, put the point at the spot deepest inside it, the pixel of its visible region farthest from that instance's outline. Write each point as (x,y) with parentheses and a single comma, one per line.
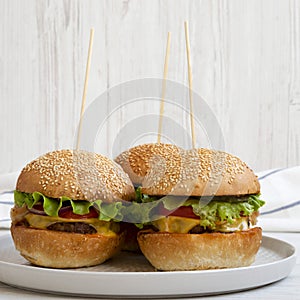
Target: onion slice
(38,210)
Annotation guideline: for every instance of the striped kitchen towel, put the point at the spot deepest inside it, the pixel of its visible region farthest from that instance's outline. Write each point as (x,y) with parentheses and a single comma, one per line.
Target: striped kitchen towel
(6,203)
(7,185)
(280,189)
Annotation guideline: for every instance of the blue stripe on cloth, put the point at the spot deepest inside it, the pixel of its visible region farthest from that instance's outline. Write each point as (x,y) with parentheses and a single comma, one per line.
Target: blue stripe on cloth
(5,220)
(6,192)
(281,208)
(7,202)
(271,173)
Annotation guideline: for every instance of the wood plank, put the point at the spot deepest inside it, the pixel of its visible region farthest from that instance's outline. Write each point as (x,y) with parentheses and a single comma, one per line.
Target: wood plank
(245,58)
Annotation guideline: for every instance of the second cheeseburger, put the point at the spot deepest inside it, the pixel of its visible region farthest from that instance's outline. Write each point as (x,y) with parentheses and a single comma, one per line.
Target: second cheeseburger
(65,202)
(208,202)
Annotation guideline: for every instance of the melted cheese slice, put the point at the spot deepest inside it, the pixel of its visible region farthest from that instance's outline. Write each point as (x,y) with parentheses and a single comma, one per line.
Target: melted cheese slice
(174,224)
(42,222)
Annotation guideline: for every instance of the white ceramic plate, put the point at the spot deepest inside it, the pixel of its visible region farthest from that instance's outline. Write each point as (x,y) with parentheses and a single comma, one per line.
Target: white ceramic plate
(131,276)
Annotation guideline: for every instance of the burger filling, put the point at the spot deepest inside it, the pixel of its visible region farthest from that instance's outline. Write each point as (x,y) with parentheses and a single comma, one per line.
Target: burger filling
(165,214)
(64,214)
(198,215)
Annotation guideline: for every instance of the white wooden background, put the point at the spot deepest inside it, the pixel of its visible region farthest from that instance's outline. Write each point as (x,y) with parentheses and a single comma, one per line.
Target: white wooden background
(245,56)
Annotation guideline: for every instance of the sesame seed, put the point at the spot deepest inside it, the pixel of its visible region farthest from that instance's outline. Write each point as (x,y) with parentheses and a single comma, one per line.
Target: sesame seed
(163,168)
(82,175)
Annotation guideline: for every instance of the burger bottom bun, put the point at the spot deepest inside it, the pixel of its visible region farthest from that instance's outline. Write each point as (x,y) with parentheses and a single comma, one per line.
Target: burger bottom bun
(57,249)
(178,252)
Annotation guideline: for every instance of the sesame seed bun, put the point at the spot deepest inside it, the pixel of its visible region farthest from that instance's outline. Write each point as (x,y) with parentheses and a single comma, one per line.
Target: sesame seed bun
(138,161)
(79,175)
(169,170)
(175,251)
(163,169)
(54,249)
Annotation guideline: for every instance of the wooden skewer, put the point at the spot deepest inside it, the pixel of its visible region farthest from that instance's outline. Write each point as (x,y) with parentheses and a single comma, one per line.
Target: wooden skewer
(188,51)
(163,93)
(87,71)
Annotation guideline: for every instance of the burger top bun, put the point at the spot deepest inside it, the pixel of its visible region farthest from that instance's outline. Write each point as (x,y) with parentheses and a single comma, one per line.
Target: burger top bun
(79,175)
(163,169)
(138,161)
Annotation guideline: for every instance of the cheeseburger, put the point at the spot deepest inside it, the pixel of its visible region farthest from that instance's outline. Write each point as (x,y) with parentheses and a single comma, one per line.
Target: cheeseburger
(204,208)
(65,203)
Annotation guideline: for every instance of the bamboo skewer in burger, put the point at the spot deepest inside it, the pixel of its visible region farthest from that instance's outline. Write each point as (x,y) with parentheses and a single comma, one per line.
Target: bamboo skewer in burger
(163,93)
(87,72)
(208,202)
(190,78)
(65,204)
(159,152)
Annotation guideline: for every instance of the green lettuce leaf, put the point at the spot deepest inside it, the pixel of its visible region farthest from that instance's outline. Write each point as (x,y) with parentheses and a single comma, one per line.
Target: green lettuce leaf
(132,212)
(107,211)
(138,194)
(147,209)
(140,213)
(210,210)
(79,207)
(216,211)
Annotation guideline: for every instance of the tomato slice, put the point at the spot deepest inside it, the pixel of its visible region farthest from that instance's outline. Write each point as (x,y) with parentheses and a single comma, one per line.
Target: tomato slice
(182,211)
(38,207)
(67,213)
